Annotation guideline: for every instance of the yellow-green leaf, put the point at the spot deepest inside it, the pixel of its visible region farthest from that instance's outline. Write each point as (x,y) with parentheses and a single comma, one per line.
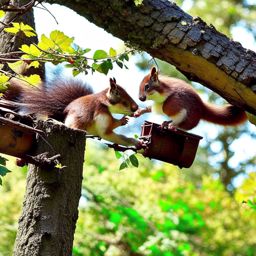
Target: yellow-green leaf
(17,66)
(2,13)
(3,82)
(16,25)
(112,52)
(62,41)
(27,30)
(3,78)
(32,50)
(34,64)
(12,30)
(32,79)
(29,33)
(46,43)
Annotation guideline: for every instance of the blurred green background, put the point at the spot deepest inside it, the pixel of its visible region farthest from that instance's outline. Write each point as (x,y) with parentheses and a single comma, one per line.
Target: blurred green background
(158,209)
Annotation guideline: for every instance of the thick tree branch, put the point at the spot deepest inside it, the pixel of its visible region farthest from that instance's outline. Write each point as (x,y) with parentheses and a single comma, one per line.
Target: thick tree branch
(162,29)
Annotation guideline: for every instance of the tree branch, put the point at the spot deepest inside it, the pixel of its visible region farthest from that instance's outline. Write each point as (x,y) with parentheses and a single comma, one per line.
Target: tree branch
(162,29)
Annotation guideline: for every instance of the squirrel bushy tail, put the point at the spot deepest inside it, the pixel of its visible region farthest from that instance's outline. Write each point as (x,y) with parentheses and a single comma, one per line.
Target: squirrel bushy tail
(227,115)
(48,99)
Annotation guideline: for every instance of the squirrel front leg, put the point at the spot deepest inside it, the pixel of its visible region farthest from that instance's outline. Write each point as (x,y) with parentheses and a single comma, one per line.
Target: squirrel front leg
(142,111)
(105,124)
(120,122)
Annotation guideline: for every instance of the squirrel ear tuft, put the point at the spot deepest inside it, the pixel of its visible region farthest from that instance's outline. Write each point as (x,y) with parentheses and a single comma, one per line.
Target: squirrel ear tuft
(153,71)
(112,83)
(154,74)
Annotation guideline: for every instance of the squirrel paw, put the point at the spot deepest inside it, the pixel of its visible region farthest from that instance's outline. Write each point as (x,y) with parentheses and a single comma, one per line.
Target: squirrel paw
(172,127)
(124,120)
(141,145)
(166,124)
(139,112)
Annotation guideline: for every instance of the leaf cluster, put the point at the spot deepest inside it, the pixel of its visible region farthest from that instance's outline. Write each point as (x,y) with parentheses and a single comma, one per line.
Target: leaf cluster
(56,48)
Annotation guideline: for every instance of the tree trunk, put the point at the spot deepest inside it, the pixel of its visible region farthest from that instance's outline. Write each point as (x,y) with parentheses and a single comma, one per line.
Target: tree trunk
(50,208)
(162,29)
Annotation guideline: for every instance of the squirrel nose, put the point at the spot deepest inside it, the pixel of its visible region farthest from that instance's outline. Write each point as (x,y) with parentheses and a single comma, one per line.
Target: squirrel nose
(134,107)
(142,98)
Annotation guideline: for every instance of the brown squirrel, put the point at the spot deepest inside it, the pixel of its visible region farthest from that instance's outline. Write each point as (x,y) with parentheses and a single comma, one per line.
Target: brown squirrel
(76,105)
(179,101)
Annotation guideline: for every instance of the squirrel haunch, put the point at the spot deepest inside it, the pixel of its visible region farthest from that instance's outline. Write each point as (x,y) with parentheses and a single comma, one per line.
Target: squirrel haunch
(179,101)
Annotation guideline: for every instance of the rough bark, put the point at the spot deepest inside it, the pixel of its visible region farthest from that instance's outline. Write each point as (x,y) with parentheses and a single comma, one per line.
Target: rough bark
(50,208)
(162,29)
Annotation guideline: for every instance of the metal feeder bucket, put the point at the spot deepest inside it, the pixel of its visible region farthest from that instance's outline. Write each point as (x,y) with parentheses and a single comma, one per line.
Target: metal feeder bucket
(172,146)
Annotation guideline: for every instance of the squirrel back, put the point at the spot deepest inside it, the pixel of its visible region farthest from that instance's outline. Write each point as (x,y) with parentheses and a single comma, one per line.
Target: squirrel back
(49,99)
(178,100)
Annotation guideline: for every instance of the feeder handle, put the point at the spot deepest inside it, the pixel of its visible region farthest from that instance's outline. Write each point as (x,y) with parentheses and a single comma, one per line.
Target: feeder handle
(120,148)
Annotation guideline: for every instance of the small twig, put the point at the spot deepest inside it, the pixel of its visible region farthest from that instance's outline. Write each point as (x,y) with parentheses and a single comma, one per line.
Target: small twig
(46,9)
(120,148)
(42,160)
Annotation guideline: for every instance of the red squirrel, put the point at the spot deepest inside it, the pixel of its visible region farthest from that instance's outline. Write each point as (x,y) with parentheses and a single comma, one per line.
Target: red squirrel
(78,107)
(179,101)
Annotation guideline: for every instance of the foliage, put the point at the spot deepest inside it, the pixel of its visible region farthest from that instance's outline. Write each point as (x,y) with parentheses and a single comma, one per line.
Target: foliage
(237,12)
(56,48)
(12,193)
(153,210)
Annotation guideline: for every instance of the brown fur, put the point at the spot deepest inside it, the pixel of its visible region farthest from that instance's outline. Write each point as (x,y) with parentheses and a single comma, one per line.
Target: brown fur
(73,102)
(180,95)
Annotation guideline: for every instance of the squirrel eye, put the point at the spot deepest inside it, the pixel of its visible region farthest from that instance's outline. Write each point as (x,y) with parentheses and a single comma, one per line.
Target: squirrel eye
(146,87)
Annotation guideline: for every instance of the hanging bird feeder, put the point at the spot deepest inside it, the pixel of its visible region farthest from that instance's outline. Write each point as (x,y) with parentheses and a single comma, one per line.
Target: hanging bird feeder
(173,146)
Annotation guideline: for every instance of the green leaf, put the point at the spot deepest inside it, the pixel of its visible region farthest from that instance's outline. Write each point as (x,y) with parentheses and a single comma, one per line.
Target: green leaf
(124,56)
(100,54)
(75,72)
(3,160)
(86,50)
(2,13)
(115,217)
(104,67)
(112,52)
(101,168)
(165,205)
(123,165)
(118,154)
(251,204)
(119,63)
(3,170)
(134,160)
(158,175)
